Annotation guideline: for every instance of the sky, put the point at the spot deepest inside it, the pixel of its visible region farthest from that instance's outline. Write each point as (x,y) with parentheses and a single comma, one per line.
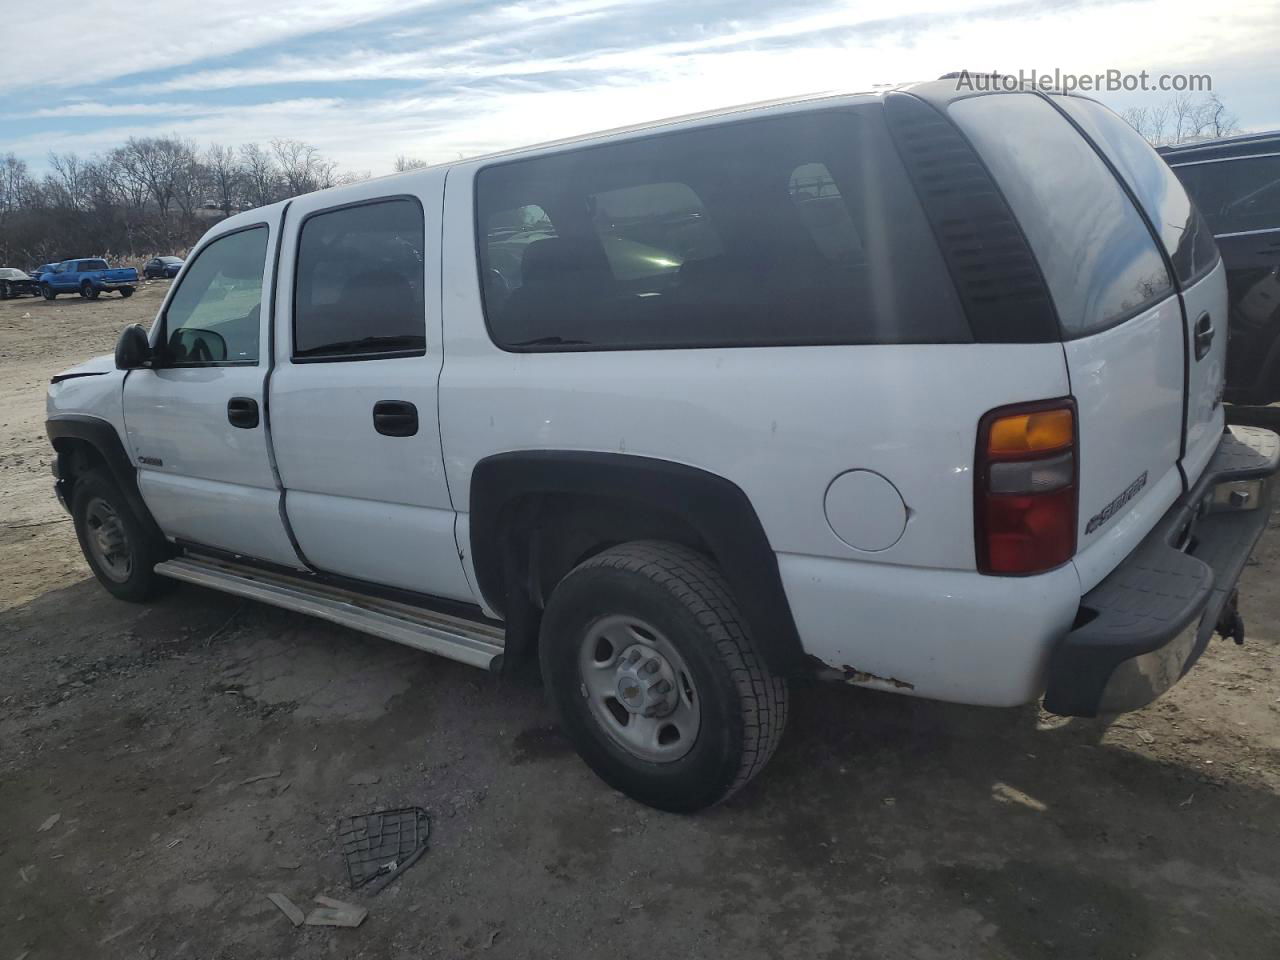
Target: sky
(367,80)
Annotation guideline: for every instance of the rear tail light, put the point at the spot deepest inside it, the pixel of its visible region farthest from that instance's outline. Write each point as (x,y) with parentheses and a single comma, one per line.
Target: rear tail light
(1025,488)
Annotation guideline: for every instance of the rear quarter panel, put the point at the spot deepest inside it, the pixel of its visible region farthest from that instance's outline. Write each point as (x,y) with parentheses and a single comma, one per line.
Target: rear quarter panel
(780,422)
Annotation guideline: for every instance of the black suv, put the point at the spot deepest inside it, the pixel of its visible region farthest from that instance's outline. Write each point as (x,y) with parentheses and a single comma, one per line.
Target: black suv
(1236,184)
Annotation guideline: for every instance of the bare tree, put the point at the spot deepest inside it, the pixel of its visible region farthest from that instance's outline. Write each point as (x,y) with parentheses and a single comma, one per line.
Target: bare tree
(1182,118)
(404,163)
(225,176)
(260,176)
(301,166)
(67,180)
(1215,119)
(14,183)
(191,181)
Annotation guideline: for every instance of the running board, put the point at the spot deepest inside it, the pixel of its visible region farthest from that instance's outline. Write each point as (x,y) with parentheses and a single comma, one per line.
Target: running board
(467,641)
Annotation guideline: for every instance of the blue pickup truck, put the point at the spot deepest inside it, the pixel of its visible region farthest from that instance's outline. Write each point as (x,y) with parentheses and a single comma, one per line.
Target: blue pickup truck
(87,278)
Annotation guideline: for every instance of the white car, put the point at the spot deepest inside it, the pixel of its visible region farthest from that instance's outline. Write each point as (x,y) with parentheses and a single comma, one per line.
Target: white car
(919,391)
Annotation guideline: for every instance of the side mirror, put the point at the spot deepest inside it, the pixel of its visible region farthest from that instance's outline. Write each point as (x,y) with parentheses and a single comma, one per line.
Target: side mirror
(133,349)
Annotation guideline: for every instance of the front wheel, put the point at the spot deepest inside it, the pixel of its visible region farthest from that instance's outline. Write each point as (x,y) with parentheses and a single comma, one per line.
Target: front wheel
(120,549)
(126,292)
(656,679)
(46,291)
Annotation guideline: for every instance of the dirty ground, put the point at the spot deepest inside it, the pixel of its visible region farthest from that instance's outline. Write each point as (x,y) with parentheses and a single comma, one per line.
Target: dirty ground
(199,752)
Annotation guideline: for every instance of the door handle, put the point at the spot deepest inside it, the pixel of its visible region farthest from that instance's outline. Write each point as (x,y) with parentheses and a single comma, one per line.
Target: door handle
(1204,336)
(395,418)
(243,412)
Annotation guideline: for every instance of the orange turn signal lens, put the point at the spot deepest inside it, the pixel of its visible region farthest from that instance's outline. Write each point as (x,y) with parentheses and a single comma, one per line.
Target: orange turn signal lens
(1039,432)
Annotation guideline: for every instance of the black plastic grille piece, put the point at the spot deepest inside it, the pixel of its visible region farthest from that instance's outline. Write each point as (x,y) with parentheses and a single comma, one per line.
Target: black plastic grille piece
(378,846)
(996,276)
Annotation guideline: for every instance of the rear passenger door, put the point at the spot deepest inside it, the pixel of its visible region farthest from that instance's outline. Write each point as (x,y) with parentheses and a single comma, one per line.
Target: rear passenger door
(354,419)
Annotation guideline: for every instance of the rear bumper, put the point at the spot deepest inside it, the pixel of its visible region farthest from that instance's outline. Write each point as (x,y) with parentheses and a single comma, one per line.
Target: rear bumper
(1144,626)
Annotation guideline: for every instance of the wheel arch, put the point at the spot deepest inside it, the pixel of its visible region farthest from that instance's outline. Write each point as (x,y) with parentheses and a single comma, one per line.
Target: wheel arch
(82,443)
(536,514)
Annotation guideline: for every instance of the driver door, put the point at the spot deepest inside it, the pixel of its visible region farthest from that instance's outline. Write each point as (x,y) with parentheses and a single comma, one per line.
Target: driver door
(195,419)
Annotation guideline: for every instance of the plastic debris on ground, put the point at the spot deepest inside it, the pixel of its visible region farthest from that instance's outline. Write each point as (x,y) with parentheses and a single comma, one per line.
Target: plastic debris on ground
(378,847)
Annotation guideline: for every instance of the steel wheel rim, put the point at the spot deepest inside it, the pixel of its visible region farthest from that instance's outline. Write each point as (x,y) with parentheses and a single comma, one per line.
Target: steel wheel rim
(107,540)
(639,689)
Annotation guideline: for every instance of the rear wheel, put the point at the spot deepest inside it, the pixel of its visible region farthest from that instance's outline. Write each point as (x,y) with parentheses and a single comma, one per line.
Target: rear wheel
(88,291)
(5,293)
(126,292)
(46,291)
(120,549)
(656,679)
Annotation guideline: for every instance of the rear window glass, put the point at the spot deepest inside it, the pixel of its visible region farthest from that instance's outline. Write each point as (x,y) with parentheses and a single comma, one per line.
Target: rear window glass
(86,265)
(358,285)
(1094,250)
(1236,196)
(794,230)
(1185,235)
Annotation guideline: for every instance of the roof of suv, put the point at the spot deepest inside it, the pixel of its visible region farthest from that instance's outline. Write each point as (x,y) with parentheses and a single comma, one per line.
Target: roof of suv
(1244,145)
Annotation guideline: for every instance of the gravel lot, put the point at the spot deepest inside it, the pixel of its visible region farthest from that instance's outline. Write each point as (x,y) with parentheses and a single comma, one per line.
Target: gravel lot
(885,827)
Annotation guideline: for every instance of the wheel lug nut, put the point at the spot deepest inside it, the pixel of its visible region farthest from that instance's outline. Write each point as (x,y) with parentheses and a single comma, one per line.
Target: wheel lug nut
(651,667)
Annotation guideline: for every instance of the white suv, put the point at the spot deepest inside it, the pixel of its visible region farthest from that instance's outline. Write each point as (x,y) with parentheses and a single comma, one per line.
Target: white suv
(917,390)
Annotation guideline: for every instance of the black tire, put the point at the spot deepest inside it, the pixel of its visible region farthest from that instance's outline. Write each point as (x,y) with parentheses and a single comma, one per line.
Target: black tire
(126,292)
(89,291)
(46,291)
(742,707)
(143,546)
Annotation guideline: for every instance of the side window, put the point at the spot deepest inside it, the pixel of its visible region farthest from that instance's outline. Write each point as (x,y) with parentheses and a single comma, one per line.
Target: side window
(648,231)
(826,216)
(1182,230)
(358,283)
(739,234)
(1094,250)
(214,316)
(1236,196)
(507,235)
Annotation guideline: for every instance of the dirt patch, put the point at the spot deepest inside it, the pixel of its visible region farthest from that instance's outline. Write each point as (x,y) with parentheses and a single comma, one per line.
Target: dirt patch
(885,827)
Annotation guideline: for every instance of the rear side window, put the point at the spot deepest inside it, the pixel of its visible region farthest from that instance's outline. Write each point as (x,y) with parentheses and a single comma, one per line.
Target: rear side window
(1237,196)
(358,283)
(1094,250)
(793,230)
(1185,235)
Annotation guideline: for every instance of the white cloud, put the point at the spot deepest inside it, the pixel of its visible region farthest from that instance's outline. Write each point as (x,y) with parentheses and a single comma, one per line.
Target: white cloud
(465,99)
(175,33)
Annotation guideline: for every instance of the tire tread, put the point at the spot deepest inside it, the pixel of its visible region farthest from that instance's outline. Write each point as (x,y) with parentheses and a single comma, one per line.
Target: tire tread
(697,583)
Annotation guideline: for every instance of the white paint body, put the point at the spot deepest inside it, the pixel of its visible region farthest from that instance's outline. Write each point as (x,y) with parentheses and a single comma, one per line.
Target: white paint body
(784,424)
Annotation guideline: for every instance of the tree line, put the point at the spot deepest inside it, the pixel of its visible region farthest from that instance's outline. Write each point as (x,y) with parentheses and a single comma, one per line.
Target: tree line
(1183,118)
(150,195)
(157,195)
